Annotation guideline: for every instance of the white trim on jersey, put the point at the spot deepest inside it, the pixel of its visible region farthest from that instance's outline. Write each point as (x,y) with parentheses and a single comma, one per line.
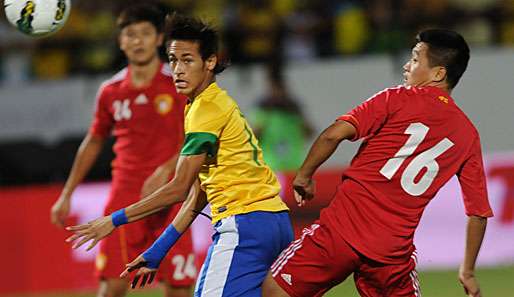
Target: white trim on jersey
(221,258)
(114,79)
(117,77)
(166,69)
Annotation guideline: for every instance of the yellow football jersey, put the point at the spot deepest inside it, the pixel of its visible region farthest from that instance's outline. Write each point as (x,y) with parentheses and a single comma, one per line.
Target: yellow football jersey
(235,177)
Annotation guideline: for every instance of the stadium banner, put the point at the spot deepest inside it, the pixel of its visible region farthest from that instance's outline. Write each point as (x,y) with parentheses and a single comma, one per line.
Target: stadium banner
(37,259)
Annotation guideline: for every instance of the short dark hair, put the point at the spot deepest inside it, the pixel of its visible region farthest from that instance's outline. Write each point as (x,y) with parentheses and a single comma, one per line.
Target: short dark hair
(180,27)
(448,49)
(143,12)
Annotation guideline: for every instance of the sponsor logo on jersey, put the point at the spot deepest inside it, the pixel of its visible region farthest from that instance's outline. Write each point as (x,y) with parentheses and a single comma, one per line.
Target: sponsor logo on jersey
(287,278)
(443,99)
(163,103)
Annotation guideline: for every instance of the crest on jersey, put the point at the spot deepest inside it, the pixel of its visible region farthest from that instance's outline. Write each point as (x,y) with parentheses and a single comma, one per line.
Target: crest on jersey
(26,17)
(163,103)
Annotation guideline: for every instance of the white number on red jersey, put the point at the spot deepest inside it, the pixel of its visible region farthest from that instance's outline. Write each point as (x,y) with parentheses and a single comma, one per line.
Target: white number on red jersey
(426,159)
(122,110)
(184,268)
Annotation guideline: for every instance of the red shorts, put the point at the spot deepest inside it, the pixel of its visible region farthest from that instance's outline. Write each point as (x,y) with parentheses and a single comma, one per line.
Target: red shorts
(321,259)
(129,241)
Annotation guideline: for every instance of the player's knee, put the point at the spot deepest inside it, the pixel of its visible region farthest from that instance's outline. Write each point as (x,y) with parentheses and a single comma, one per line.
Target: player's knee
(171,291)
(112,288)
(270,288)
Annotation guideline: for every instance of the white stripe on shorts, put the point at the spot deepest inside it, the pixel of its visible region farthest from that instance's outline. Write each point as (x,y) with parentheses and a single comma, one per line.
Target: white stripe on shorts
(415,283)
(221,258)
(289,252)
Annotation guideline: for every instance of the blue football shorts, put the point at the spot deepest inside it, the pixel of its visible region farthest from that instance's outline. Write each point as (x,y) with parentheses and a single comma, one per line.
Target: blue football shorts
(243,249)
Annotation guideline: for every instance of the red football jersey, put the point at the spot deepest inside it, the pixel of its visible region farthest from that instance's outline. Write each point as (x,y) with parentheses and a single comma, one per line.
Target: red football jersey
(148,122)
(414,141)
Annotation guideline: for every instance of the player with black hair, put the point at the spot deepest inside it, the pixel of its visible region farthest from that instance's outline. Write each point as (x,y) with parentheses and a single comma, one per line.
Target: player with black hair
(415,138)
(142,109)
(251,223)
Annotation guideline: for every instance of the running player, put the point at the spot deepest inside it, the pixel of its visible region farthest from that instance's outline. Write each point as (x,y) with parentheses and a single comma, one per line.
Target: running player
(251,222)
(141,107)
(415,139)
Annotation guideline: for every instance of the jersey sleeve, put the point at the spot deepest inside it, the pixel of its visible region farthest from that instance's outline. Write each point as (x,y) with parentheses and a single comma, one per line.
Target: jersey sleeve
(204,128)
(102,119)
(473,184)
(368,117)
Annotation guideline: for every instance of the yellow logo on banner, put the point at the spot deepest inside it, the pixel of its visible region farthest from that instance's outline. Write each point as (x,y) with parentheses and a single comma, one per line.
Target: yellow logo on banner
(163,103)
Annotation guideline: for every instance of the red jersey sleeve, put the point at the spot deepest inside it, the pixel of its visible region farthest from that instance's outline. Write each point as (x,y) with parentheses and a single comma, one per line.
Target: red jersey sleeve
(102,120)
(473,184)
(368,117)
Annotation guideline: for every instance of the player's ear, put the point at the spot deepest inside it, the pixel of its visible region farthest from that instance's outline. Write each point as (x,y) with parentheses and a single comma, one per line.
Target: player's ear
(211,62)
(438,74)
(160,39)
(120,44)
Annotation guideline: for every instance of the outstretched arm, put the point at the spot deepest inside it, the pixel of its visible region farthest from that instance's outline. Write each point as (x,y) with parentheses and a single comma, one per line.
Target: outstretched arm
(148,262)
(173,192)
(474,236)
(320,151)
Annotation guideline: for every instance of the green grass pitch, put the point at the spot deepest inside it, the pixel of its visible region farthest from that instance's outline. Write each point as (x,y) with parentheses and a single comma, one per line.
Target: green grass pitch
(495,282)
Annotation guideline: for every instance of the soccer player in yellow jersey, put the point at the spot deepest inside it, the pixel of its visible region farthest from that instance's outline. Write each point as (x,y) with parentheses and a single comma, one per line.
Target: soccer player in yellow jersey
(251,222)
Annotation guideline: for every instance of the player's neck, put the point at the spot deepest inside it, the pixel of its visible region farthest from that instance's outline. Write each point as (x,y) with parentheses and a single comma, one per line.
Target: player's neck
(440,85)
(443,86)
(206,83)
(142,75)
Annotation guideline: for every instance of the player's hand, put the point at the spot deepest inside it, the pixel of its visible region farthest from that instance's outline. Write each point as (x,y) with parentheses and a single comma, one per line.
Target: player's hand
(470,283)
(60,211)
(158,179)
(140,264)
(304,188)
(94,230)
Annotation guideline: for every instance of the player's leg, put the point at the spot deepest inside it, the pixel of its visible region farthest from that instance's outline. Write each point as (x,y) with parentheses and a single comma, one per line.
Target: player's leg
(112,287)
(124,244)
(171,291)
(271,288)
(243,250)
(378,280)
(109,263)
(177,272)
(311,265)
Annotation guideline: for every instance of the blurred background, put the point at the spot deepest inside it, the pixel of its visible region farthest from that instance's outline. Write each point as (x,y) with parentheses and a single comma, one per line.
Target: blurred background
(296,66)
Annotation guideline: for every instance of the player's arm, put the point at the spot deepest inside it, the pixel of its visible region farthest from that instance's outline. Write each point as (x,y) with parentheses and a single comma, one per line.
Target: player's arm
(173,192)
(148,262)
(320,151)
(191,208)
(84,159)
(474,192)
(474,235)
